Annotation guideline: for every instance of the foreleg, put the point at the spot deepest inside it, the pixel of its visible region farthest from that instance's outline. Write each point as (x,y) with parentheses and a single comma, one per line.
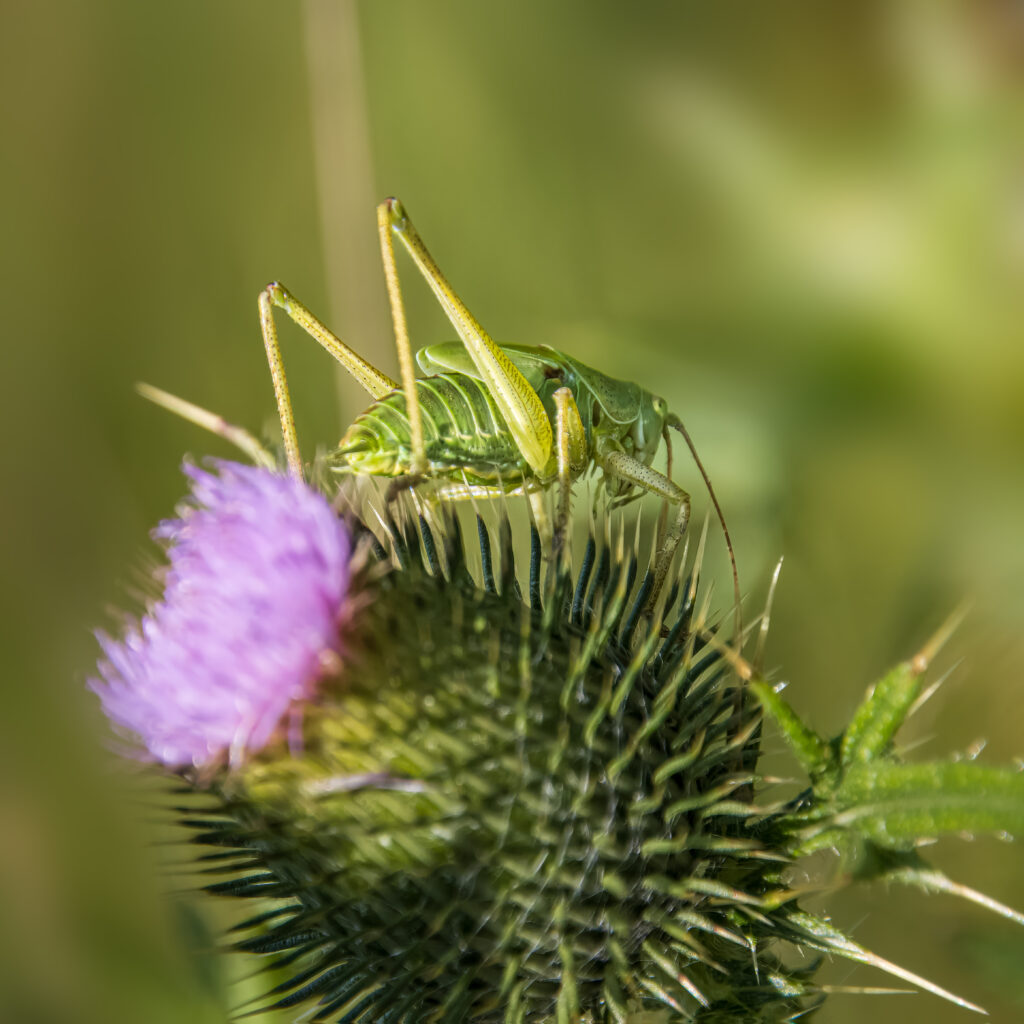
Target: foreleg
(626,467)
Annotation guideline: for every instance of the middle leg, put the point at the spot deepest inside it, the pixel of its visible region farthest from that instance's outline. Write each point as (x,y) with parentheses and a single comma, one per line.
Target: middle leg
(375,382)
(571,456)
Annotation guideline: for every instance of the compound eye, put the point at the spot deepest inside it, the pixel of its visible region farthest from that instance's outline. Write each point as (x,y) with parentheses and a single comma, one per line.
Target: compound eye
(660,406)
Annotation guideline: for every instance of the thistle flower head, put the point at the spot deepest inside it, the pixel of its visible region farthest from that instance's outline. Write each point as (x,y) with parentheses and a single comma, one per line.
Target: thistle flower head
(257,575)
(522,801)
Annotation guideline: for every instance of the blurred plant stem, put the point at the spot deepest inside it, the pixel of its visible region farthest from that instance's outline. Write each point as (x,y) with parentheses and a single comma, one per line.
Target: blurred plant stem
(345,187)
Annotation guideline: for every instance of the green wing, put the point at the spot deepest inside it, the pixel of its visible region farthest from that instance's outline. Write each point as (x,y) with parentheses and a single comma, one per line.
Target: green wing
(620,400)
(536,364)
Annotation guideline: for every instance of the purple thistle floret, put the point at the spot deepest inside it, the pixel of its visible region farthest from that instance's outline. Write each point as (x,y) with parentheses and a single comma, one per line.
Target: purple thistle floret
(258,573)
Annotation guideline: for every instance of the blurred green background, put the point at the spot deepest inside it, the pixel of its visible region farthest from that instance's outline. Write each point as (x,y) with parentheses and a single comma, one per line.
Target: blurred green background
(802,223)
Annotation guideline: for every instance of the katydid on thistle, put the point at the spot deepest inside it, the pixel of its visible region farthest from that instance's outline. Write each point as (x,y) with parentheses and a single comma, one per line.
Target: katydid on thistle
(489,420)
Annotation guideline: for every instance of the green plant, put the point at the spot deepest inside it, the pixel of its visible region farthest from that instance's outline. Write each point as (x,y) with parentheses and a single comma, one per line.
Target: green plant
(479,790)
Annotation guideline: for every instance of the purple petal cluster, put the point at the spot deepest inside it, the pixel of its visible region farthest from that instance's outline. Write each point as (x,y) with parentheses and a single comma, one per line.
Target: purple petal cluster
(259,568)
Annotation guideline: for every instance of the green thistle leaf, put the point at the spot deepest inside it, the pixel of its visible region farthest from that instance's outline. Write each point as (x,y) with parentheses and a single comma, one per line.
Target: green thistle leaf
(811,750)
(896,805)
(480,809)
(866,803)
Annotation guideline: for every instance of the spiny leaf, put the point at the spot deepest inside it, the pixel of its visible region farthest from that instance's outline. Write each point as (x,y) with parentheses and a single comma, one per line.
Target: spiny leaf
(810,749)
(819,934)
(897,804)
(885,709)
(907,867)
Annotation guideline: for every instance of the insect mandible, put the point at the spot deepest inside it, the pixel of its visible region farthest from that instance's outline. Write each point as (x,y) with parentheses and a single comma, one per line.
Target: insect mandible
(486,420)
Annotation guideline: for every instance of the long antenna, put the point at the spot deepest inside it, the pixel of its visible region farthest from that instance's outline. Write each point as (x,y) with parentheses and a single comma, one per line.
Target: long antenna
(676,423)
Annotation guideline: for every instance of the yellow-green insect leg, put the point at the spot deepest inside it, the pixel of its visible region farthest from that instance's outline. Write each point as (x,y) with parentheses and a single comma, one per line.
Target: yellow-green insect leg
(666,552)
(470,492)
(518,402)
(571,455)
(541,519)
(625,467)
(663,514)
(375,382)
(412,402)
(277,375)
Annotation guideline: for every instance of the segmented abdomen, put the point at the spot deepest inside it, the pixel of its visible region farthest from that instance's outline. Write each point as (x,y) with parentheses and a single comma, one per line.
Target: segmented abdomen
(463,433)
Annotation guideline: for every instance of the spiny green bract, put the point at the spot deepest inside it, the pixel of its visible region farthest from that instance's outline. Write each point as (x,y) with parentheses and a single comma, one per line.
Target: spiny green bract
(512,810)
